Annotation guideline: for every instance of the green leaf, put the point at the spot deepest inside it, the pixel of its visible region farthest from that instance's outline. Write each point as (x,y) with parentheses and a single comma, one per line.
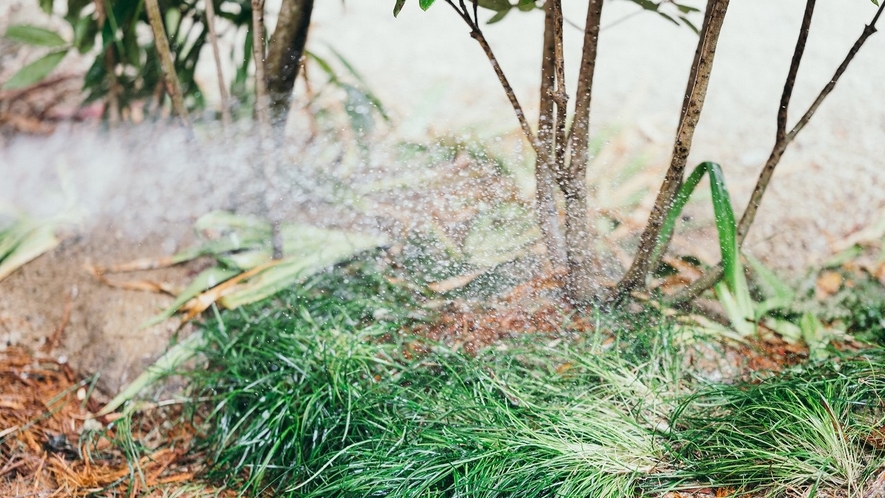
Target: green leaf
(496,5)
(498,16)
(376,102)
(359,110)
(875,2)
(690,24)
(31,244)
(686,9)
(425,4)
(647,5)
(308,250)
(733,292)
(778,294)
(398,7)
(46,6)
(32,35)
(85,30)
(526,5)
(35,71)
(325,66)
(814,335)
(171,360)
(667,17)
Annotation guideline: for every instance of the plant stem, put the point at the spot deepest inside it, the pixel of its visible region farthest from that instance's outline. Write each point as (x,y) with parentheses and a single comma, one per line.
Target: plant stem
(476,34)
(782,141)
(166,62)
(545,190)
(693,103)
(258,42)
(264,128)
(581,284)
(222,84)
(560,97)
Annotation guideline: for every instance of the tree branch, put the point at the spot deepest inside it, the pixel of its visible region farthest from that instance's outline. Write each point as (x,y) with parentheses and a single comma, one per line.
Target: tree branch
(783,140)
(560,98)
(476,34)
(693,103)
(166,62)
(222,84)
(581,285)
(545,198)
(579,134)
(262,111)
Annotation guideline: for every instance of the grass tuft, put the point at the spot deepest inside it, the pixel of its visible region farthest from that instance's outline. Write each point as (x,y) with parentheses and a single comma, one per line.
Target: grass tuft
(810,427)
(319,394)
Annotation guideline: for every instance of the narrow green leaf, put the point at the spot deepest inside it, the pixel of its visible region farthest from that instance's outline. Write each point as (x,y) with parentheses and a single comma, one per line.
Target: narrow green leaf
(526,5)
(778,294)
(814,335)
(678,205)
(324,65)
(501,14)
(172,359)
(731,257)
(85,30)
(35,71)
(398,7)
(425,4)
(376,102)
(788,330)
(734,293)
(309,250)
(496,5)
(686,9)
(32,35)
(690,24)
(725,223)
(38,241)
(668,17)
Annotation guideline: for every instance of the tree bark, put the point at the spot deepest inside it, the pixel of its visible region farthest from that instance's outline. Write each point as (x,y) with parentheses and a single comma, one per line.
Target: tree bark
(261,100)
(166,61)
(284,56)
(216,53)
(693,104)
(545,189)
(580,283)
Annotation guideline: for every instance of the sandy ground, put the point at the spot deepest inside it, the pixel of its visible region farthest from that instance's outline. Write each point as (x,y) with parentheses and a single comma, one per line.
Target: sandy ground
(142,194)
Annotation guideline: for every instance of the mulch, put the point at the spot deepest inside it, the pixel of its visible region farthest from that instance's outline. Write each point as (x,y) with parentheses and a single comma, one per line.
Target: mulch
(50,444)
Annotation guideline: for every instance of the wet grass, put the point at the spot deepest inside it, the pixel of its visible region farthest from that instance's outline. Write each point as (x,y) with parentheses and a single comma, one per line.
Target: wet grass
(324,392)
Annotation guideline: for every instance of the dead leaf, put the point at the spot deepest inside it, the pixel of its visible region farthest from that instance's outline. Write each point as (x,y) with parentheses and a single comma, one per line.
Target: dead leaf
(828,283)
(456,282)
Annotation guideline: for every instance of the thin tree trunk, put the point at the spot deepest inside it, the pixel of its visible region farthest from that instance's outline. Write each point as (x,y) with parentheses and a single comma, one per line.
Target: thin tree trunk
(262,111)
(545,189)
(693,103)
(166,62)
(222,84)
(582,285)
(284,56)
(258,41)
